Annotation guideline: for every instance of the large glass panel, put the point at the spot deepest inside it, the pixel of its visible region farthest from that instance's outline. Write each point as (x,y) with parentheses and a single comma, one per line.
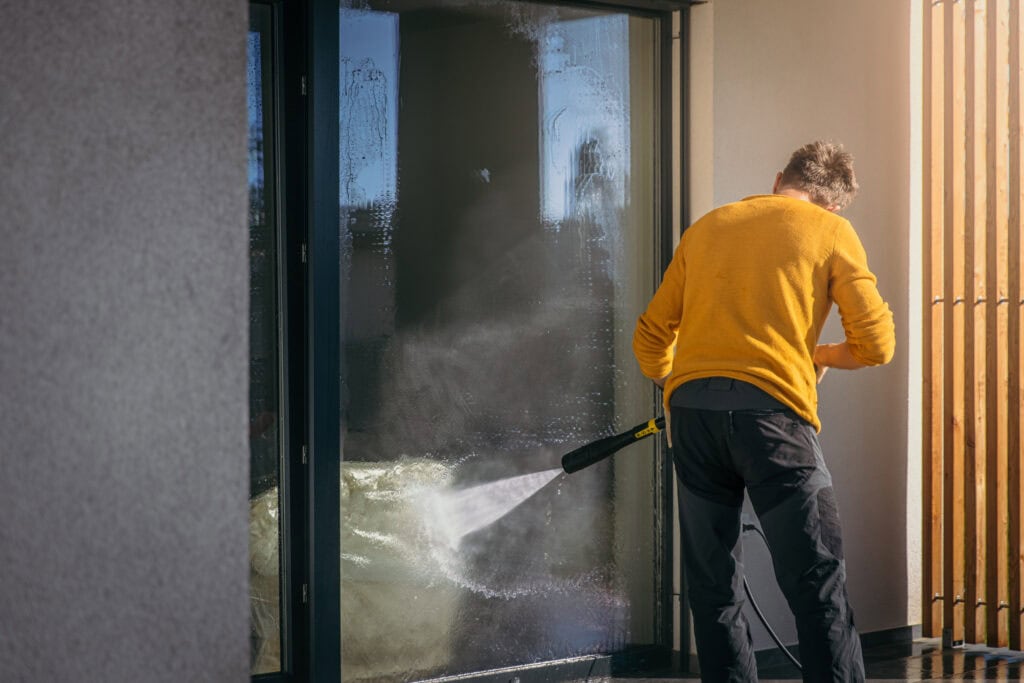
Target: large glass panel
(264,353)
(498,195)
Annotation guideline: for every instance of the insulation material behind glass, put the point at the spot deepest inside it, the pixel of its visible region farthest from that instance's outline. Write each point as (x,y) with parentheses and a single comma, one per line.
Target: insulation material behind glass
(264,581)
(398,581)
(395,594)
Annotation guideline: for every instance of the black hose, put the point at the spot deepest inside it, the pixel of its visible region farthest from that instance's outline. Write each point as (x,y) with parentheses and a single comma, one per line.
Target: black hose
(759,613)
(596,451)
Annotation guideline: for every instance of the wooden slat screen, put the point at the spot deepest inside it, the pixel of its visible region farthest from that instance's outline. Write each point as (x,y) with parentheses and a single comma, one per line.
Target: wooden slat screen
(971,207)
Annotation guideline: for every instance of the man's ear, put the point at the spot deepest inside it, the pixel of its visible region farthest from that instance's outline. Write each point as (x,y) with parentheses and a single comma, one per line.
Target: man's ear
(778,183)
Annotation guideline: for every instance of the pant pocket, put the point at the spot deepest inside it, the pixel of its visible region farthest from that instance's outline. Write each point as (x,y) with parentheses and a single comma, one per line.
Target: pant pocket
(778,455)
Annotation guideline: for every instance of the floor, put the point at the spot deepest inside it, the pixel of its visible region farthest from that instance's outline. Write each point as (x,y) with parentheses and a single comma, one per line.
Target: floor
(921,660)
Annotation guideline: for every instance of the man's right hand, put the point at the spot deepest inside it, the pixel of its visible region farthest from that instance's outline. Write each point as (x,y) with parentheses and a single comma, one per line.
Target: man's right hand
(819,371)
(835,356)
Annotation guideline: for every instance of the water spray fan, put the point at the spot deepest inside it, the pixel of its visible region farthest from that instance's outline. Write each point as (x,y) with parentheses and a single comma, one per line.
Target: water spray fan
(596,451)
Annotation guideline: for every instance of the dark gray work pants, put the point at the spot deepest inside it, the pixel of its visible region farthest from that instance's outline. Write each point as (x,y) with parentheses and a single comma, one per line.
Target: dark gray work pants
(775,455)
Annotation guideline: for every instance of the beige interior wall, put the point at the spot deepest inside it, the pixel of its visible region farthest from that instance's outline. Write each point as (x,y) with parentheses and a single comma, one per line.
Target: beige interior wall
(765,78)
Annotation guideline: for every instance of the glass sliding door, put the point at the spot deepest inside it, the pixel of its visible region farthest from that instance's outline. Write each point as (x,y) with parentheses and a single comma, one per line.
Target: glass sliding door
(499,190)
(265,357)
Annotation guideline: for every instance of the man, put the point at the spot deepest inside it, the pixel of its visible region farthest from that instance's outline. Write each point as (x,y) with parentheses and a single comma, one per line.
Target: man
(732,338)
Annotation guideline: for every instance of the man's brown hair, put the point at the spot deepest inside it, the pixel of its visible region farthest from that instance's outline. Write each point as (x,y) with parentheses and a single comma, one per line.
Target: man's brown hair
(824,171)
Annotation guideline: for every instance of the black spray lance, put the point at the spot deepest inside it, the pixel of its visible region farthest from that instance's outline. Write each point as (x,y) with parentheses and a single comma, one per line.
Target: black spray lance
(596,451)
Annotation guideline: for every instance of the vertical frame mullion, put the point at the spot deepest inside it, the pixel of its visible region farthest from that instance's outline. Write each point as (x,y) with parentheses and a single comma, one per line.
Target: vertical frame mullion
(323,343)
(291,349)
(672,124)
(295,537)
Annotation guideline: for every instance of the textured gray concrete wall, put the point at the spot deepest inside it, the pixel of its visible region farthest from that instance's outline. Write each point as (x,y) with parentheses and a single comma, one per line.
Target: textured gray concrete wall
(123,341)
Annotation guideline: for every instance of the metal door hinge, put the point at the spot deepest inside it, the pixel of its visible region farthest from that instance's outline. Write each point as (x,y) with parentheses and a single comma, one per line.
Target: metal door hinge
(303,84)
(305,593)
(303,253)
(305,455)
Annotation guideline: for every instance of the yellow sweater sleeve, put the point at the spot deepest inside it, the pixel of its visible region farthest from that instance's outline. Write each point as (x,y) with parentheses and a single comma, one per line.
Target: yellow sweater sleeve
(654,338)
(867,319)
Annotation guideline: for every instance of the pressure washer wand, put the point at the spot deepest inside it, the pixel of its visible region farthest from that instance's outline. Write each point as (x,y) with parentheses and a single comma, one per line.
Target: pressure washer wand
(596,451)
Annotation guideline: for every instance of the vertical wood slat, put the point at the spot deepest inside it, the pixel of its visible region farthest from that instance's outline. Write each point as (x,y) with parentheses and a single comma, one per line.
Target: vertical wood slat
(1002,318)
(1017,296)
(991,358)
(952,344)
(932,257)
(929,625)
(970,478)
(1013,330)
(980,175)
(948,463)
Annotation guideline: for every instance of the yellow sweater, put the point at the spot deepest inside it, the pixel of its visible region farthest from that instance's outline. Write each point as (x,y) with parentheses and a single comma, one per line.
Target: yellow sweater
(747,293)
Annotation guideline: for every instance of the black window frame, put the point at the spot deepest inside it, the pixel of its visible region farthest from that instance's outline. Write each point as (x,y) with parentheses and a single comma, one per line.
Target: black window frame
(306,58)
(289,220)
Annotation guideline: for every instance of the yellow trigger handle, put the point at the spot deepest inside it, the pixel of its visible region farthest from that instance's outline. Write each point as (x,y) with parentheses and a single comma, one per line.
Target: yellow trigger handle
(651,428)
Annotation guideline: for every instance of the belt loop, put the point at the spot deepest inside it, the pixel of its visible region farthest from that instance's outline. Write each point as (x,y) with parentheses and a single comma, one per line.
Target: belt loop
(731,428)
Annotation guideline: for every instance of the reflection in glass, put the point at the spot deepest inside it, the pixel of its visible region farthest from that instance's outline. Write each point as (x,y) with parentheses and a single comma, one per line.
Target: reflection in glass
(264,441)
(498,210)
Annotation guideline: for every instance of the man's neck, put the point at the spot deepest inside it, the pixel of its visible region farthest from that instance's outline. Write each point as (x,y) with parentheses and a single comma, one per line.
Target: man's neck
(802,196)
(795,194)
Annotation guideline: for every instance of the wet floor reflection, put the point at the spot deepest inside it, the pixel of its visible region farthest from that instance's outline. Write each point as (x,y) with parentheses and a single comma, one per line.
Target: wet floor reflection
(918,661)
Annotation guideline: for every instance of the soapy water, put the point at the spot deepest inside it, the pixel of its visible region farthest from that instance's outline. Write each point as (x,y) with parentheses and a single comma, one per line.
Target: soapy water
(403,525)
(448,515)
(405,522)
(457,513)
